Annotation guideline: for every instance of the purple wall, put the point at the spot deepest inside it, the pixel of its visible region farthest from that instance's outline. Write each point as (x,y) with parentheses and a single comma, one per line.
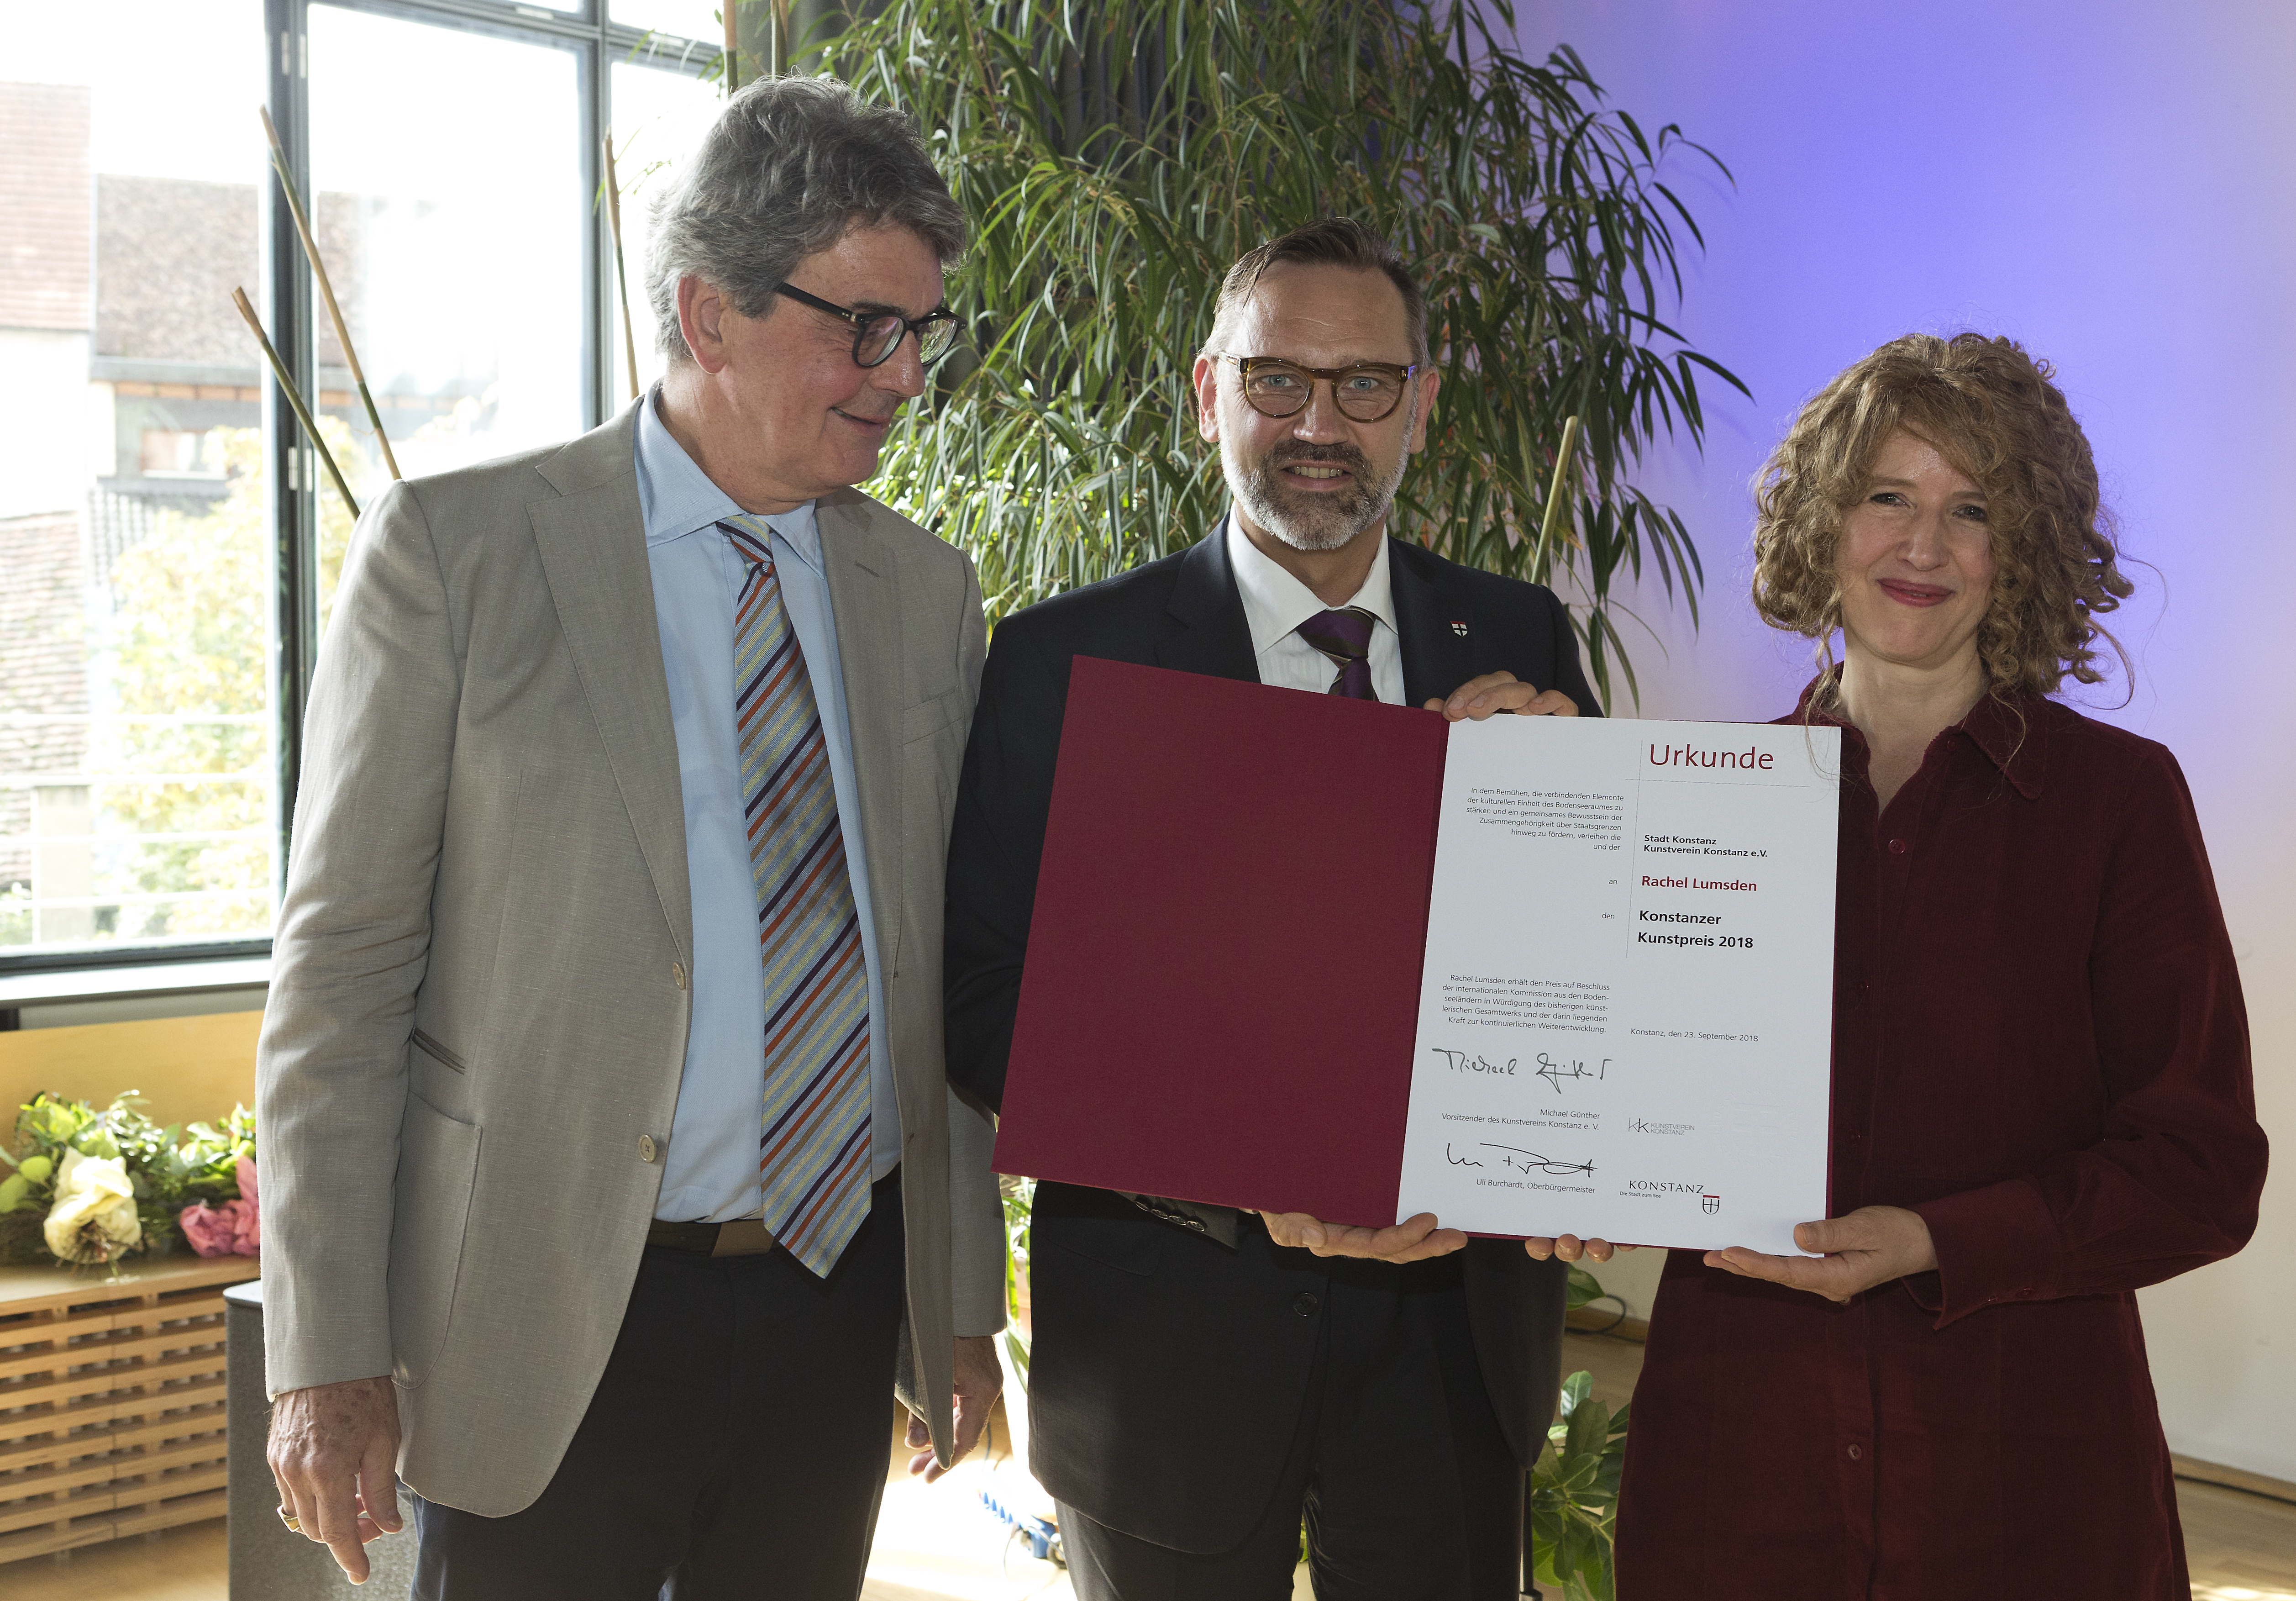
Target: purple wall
(2113,183)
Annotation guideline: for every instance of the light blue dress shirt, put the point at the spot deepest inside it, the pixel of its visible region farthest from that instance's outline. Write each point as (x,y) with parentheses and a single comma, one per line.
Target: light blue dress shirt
(711,1171)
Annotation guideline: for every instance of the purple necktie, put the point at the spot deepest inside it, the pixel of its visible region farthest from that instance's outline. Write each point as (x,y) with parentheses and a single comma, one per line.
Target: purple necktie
(1345,636)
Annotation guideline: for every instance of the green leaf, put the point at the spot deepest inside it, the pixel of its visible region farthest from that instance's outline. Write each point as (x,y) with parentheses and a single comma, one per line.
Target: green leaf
(1575,1389)
(1590,1427)
(1573,1549)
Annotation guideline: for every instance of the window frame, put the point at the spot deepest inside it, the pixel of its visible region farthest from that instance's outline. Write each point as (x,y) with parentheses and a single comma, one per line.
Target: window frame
(289,301)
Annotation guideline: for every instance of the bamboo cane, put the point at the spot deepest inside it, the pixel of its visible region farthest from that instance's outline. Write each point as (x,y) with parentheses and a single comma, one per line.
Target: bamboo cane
(294,400)
(1554,518)
(778,54)
(621,272)
(733,50)
(327,289)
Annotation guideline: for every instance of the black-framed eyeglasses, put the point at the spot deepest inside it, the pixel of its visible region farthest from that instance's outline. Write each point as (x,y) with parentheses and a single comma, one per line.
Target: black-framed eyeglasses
(1365,392)
(877,334)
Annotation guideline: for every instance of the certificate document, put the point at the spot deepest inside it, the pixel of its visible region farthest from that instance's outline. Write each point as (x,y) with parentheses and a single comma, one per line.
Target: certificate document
(1626,1006)
(1536,975)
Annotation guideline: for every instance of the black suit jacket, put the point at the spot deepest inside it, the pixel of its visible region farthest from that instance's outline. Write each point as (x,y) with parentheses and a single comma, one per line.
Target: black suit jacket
(1165,1383)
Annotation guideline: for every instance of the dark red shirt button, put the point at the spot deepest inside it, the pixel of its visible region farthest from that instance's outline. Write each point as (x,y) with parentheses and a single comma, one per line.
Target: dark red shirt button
(1854,1453)
(1897,847)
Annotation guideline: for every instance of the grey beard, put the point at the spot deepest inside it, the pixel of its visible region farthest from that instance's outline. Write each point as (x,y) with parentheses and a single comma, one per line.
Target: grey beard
(1312,523)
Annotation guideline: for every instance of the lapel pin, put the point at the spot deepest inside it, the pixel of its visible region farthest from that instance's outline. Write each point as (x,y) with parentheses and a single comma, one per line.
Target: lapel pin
(1459,628)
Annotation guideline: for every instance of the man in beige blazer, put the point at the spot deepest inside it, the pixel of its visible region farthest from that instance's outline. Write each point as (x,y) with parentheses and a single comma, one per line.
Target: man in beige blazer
(606,1142)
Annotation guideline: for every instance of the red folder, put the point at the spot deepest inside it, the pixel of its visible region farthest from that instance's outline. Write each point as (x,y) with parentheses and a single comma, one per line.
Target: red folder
(1222,987)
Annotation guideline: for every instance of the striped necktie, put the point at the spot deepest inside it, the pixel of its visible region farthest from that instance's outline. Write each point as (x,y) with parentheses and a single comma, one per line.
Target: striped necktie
(813,1154)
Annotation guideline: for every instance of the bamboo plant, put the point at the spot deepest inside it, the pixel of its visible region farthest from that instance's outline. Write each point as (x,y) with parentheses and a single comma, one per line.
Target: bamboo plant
(1116,159)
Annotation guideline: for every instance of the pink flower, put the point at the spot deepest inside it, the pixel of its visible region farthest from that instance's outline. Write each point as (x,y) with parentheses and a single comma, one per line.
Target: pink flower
(248,1238)
(234,1227)
(211,1231)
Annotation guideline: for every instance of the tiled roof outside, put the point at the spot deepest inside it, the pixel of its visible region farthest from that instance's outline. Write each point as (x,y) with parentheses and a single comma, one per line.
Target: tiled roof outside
(42,654)
(169,251)
(118,523)
(46,200)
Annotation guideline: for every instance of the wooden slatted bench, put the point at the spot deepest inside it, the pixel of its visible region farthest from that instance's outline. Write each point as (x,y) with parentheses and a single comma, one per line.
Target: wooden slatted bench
(111,1401)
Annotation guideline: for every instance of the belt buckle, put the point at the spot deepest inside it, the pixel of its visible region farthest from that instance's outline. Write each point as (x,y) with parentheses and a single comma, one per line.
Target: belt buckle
(744,1237)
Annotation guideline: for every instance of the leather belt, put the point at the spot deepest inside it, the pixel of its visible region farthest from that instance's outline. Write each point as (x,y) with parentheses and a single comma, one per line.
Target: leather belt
(744,1237)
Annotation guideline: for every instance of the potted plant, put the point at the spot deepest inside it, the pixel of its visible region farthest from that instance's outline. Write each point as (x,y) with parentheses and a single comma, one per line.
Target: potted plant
(1117,158)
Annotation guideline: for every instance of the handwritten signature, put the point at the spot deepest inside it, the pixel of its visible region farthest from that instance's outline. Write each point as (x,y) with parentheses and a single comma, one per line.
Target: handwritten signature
(1458,1161)
(1463,1062)
(1554,1071)
(1531,1162)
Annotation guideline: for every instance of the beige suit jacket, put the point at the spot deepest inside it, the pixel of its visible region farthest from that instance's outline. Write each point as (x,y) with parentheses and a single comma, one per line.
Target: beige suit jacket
(479,1001)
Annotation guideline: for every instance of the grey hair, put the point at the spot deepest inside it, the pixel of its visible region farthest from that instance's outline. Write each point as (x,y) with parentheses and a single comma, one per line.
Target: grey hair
(790,165)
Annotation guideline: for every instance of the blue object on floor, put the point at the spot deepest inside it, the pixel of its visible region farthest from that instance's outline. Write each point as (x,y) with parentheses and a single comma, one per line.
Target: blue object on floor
(1044,1537)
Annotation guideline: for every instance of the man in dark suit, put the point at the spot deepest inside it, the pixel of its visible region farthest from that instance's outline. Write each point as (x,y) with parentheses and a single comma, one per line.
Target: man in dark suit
(1200,1378)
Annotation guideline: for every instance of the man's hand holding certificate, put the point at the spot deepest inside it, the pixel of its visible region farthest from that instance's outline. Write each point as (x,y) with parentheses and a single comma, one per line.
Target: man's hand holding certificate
(1583,974)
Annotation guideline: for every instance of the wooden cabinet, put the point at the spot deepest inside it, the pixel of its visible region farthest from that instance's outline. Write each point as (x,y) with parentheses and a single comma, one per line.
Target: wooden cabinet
(111,1401)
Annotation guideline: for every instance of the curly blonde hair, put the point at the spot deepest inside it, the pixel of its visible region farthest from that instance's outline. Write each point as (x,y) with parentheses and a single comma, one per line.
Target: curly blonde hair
(1990,409)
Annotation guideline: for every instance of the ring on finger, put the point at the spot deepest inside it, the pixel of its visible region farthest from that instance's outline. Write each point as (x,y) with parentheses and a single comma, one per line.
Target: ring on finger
(294,1525)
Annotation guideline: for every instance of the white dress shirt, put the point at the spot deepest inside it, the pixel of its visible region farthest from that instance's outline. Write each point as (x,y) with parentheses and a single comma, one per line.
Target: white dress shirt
(1276,604)
(709,1173)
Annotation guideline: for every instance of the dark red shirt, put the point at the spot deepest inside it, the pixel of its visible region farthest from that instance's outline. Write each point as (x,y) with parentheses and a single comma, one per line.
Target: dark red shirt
(2039,1045)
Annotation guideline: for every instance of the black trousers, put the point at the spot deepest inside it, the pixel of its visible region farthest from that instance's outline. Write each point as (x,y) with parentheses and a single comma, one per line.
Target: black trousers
(735,1447)
(1398,1464)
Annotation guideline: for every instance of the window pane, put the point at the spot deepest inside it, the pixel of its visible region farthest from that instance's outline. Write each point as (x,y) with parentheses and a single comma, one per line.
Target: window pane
(136,799)
(688,18)
(659,117)
(454,232)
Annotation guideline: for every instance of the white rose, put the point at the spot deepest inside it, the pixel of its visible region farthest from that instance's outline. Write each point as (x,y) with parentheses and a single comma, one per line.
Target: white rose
(94,1219)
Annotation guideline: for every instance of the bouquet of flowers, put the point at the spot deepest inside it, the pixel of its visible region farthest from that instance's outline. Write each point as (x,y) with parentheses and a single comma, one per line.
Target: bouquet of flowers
(218,1166)
(93,1187)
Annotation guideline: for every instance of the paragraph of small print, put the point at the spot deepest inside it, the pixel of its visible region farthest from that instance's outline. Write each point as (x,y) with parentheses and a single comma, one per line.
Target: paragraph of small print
(1580,814)
(1558,1004)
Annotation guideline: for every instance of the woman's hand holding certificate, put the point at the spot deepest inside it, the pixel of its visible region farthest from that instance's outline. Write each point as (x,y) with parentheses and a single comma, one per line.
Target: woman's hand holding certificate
(1871,1246)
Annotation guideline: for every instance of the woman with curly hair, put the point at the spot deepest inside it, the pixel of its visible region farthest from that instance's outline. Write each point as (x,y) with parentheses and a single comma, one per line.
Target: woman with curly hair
(2041,1086)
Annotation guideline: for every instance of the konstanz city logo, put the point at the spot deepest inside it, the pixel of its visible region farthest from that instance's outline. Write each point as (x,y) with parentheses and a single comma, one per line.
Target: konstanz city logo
(1709,1203)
